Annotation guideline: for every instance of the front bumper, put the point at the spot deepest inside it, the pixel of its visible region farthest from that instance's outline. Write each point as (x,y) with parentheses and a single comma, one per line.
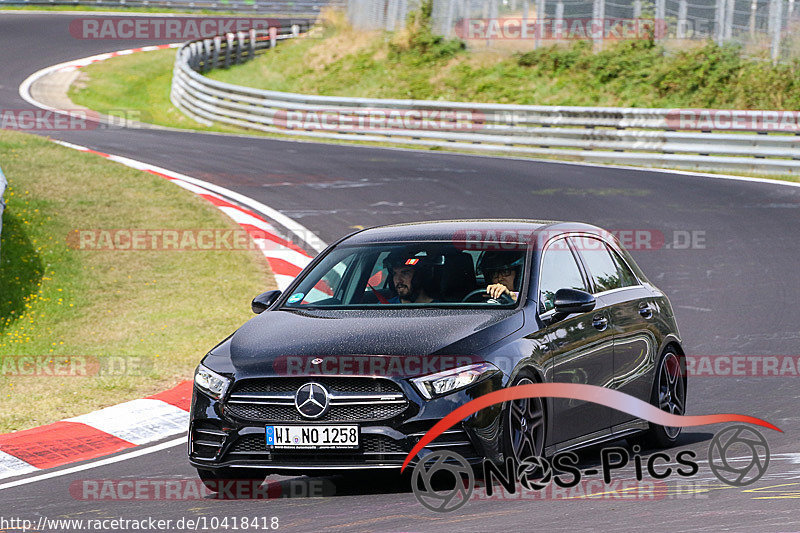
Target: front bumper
(220,438)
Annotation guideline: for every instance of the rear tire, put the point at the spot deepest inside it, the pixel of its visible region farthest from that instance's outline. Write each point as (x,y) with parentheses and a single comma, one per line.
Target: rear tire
(669,394)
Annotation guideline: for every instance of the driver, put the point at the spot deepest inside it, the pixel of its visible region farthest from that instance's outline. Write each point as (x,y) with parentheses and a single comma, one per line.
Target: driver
(502,272)
(409,275)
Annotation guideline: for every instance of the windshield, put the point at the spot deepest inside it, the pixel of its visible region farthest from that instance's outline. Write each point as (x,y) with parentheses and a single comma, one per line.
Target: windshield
(413,274)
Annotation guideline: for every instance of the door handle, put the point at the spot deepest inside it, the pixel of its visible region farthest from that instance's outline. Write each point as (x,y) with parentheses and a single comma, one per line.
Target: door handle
(645,311)
(599,322)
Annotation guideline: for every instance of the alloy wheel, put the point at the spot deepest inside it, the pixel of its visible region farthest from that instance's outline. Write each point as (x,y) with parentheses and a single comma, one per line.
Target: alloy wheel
(526,426)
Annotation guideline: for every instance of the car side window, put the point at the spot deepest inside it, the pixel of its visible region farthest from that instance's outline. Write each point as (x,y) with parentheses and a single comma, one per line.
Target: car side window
(626,275)
(600,265)
(559,271)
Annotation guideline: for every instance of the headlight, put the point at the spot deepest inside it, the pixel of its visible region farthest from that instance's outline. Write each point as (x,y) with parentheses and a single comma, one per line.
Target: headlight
(210,382)
(450,380)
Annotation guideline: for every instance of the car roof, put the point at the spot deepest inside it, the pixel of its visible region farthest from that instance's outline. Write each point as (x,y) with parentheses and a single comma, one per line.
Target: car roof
(464,230)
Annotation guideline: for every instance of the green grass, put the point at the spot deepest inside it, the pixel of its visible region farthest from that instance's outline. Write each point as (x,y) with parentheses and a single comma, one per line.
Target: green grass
(418,65)
(166,308)
(136,86)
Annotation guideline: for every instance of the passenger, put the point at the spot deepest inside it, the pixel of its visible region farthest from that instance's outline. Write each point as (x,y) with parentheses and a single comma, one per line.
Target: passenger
(502,272)
(410,277)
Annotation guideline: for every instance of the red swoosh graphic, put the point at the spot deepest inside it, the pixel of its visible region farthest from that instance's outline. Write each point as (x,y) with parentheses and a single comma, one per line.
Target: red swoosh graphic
(589,393)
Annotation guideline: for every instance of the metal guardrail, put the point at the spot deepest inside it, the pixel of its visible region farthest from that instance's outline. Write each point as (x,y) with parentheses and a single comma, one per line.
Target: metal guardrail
(296,8)
(647,137)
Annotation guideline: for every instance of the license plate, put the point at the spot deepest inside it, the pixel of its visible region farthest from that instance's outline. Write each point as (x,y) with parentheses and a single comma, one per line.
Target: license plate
(312,437)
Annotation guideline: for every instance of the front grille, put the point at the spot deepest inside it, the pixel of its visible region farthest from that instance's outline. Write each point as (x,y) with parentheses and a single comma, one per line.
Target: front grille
(382,444)
(250,443)
(354,384)
(374,448)
(352,399)
(343,413)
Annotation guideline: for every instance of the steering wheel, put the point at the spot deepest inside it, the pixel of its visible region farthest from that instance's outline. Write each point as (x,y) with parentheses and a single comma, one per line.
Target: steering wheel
(479,294)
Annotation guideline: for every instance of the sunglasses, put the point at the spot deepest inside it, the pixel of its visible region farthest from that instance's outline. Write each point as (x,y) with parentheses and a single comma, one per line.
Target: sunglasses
(503,272)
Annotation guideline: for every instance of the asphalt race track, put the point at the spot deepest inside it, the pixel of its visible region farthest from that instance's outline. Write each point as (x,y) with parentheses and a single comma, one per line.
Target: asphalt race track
(735,294)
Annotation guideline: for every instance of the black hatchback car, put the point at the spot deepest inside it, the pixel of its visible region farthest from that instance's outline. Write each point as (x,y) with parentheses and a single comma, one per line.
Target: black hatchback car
(391,328)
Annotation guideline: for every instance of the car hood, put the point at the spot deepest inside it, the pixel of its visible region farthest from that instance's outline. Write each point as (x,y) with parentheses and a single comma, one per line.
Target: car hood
(262,344)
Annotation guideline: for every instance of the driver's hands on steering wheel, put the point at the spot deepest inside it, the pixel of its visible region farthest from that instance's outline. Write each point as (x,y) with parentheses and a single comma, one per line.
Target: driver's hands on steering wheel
(498,289)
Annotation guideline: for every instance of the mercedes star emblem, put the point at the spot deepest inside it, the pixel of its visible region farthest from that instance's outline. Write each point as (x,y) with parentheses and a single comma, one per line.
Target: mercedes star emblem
(311,400)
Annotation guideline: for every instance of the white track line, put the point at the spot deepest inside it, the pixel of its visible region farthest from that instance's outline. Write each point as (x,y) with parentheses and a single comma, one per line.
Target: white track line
(94,464)
(303,233)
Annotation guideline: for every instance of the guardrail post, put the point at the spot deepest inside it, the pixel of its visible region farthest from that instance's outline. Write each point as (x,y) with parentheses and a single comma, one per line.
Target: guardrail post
(526,14)
(295,30)
(597,27)
(206,55)
(217,46)
(540,21)
(464,14)
(494,14)
(391,18)
(240,46)
(729,20)
(251,53)
(661,28)
(273,37)
(720,20)
(559,28)
(683,23)
(197,49)
(448,21)
(228,49)
(775,23)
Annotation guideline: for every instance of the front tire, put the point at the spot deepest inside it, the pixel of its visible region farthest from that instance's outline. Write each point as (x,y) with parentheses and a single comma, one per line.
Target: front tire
(669,394)
(524,425)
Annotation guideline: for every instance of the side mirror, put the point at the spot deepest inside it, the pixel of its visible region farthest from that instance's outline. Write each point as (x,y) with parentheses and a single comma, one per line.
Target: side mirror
(570,301)
(264,300)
